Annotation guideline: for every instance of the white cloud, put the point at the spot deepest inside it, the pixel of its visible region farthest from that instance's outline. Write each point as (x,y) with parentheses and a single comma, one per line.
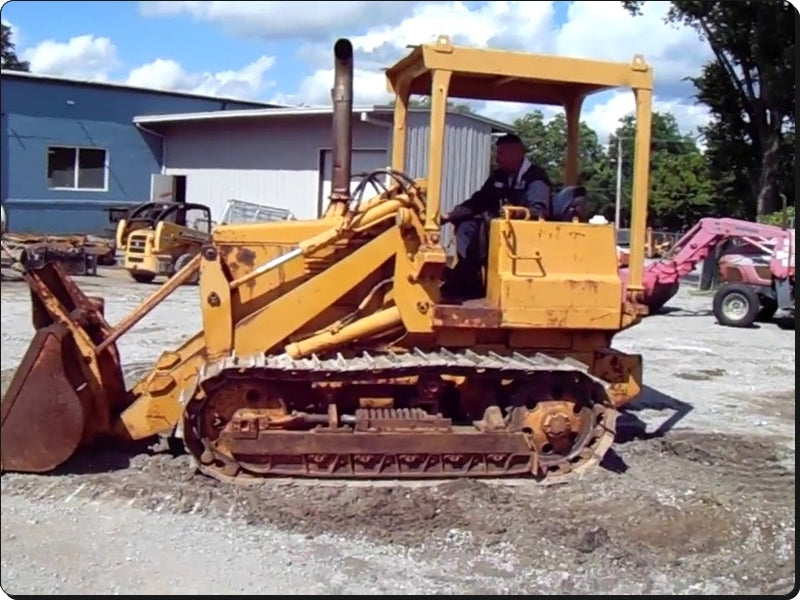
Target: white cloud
(604,117)
(369,87)
(600,30)
(246,83)
(604,30)
(382,45)
(82,57)
(271,20)
(96,59)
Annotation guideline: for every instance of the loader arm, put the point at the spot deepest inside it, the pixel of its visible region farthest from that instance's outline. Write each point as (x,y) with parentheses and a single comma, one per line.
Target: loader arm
(263,327)
(699,241)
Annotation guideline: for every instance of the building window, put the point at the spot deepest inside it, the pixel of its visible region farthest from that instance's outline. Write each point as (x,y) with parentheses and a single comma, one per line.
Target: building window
(76,168)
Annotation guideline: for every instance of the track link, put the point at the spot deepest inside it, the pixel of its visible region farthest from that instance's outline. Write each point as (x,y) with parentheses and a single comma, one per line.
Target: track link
(256,430)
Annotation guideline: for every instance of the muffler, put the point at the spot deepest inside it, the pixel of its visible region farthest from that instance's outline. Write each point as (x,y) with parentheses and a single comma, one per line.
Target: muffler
(342,142)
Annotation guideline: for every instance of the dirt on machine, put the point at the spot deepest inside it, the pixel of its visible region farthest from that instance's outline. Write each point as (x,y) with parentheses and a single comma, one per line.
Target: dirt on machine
(327,349)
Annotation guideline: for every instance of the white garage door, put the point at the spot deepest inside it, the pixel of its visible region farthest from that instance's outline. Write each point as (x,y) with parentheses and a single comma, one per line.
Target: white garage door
(362,161)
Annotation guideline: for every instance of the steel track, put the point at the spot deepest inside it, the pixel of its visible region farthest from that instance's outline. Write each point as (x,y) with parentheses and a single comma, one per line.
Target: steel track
(482,461)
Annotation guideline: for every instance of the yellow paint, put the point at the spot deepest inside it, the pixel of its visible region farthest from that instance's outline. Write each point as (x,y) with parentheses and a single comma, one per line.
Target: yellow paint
(158,248)
(555,275)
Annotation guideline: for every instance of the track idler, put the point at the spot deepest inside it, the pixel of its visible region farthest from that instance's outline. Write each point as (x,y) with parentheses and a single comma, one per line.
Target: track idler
(65,391)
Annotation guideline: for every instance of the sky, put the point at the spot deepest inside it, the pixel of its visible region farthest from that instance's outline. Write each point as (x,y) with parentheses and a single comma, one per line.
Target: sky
(282,51)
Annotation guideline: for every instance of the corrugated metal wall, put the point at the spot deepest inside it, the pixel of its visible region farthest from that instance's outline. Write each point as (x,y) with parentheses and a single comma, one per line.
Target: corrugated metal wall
(468,146)
(268,161)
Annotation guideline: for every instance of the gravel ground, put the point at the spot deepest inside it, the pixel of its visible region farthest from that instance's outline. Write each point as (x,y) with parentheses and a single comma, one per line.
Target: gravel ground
(704,504)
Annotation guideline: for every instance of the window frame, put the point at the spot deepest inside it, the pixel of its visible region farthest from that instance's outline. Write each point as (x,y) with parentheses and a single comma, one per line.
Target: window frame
(76,168)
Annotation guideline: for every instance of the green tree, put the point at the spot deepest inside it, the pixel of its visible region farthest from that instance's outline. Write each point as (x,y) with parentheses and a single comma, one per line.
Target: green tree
(749,88)
(680,189)
(8,56)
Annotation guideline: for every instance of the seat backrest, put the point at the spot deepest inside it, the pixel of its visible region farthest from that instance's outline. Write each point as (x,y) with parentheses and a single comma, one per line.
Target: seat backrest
(568,203)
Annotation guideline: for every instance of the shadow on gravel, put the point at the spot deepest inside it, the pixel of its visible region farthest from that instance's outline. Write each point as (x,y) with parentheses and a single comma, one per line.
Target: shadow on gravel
(630,427)
(99,459)
(677,311)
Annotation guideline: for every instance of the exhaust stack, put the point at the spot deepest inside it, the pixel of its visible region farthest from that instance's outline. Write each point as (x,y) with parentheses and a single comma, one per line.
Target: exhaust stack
(342,96)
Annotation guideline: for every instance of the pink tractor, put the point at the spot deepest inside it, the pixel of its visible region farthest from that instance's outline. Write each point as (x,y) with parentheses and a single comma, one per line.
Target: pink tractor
(758,271)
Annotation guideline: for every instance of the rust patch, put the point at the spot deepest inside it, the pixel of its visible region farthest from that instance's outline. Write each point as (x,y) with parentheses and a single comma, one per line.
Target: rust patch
(556,318)
(587,285)
(245,256)
(473,314)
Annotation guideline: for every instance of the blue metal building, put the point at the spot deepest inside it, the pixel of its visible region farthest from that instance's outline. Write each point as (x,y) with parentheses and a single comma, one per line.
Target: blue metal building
(70,149)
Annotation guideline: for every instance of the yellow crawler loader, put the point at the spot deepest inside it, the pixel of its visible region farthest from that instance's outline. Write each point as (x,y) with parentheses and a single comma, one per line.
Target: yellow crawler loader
(158,238)
(327,349)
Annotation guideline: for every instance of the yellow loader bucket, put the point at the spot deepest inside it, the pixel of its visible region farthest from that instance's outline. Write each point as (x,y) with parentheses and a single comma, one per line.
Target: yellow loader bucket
(65,392)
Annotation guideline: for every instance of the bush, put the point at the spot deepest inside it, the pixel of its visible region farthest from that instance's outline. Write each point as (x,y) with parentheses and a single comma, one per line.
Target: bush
(776,218)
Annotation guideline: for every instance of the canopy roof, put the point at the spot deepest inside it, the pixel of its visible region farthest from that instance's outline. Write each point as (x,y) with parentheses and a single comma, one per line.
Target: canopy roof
(499,75)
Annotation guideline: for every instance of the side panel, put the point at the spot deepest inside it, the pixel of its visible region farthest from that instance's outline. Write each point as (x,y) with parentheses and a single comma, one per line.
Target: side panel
(35,207)
(554,275)
(40,114)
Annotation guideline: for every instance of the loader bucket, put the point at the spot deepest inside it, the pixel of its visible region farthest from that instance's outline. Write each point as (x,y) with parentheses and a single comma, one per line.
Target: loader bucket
(656,293)
(42,416)
(64,393)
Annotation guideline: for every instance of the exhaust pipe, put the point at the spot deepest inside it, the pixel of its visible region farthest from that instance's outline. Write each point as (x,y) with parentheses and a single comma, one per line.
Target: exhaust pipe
(342,96)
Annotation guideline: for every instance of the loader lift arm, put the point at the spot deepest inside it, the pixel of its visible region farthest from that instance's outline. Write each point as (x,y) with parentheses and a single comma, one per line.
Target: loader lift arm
(696,244)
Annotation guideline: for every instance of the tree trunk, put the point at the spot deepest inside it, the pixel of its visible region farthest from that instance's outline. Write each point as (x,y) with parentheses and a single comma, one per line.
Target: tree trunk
(767,182)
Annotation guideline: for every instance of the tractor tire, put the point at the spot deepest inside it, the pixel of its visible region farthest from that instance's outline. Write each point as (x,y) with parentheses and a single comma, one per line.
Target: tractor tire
(736,305)
(181,262)
(143,277)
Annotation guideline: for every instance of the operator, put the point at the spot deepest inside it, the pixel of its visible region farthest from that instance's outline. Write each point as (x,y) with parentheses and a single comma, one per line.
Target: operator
(515,182)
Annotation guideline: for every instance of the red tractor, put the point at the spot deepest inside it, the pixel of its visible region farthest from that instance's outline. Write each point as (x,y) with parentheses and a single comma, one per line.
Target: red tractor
(758,270)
